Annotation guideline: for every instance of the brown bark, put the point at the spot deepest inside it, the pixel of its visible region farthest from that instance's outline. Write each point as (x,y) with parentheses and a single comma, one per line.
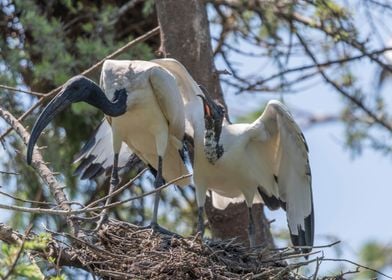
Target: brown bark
(185,36)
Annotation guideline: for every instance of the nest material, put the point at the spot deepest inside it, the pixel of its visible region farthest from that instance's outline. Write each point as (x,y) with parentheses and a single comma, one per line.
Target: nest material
(123,251)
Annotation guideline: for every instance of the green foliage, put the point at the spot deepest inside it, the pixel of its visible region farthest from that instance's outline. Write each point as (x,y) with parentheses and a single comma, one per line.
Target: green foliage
(45,44)
(375,255)
(17,265)
(15,262)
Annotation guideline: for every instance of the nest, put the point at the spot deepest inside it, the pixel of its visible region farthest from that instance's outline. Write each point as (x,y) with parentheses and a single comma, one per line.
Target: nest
(123,251)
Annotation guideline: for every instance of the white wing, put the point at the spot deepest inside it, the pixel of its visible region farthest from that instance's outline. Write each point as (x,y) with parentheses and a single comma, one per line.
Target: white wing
(96,156)
(188,90)
(280,142)
(169,98)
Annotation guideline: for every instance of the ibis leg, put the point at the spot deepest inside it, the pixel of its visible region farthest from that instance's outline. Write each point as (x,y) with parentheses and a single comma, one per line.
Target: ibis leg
(251,229)
(114,181)
(200,220)
(159,182)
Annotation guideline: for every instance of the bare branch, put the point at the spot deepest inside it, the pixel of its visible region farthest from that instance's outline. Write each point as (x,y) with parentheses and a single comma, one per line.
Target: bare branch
(353,99)
(26,200)
(358,265)
(55,188)
(68,212)
(38,94)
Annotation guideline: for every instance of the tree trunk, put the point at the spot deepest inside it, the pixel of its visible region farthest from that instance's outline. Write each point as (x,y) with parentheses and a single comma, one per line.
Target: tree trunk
(185,36)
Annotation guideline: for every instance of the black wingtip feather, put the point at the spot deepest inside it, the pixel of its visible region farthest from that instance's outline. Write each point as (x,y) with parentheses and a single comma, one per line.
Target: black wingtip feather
(83,165)
(305,237)
(92,171)
(88,145)
(271,202)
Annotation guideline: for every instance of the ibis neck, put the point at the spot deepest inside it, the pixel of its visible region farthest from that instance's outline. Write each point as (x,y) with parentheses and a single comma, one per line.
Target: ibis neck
(113,108)
(207,139)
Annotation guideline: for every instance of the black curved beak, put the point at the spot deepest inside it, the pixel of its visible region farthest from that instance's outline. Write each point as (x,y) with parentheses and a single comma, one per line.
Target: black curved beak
(75,90)
(206,106)
(58,104)
(212,109)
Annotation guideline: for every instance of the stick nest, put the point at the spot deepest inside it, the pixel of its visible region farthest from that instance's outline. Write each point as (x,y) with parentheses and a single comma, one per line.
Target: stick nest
(123,251)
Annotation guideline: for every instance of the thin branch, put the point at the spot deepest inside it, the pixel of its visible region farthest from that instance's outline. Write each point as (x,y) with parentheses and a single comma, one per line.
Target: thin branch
(19,253)
(87,209)
(308,247)
(118,190)
(354,100)
(353,43)
(311,66)
(9,173)
(47,176)
(38,94)
(26,200)
(359,265)
(379,4)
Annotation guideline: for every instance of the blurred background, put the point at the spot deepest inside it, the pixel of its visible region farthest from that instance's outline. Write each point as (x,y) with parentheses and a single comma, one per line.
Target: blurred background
(328,61)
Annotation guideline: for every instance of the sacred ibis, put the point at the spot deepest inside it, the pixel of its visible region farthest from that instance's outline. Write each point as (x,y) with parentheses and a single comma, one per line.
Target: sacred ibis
(264,161)
(144,108)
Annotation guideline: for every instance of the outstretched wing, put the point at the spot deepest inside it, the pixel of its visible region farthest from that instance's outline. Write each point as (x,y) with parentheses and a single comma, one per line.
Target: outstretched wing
(96,156)
(279,141)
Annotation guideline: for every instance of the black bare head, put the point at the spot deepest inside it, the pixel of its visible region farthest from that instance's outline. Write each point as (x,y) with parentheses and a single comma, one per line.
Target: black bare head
(77,89)
(214,113)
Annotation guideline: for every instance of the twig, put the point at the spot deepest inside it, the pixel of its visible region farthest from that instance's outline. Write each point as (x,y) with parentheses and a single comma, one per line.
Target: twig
(119,51)
(86,209)
(26,200)
(118,190)
(307,247)
(354,100)
(359,265)
(9,173)
(311,66)
(137,197)
(55,188)
(318,263)
(34,93)
(19,253)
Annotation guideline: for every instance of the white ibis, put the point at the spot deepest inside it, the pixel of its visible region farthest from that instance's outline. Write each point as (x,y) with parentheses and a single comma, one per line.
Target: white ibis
(264,161)
(146,113)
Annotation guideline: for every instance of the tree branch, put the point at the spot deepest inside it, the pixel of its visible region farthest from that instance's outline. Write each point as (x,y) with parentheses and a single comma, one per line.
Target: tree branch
(47,176)
(354,100)
(53,249)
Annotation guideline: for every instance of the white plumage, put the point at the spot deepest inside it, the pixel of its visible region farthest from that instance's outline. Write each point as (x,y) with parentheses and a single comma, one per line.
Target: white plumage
(264,161)
(154,123)
(145,111)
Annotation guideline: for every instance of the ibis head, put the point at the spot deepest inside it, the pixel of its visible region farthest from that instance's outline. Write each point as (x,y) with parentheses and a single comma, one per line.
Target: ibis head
(214,113)
(77,89)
